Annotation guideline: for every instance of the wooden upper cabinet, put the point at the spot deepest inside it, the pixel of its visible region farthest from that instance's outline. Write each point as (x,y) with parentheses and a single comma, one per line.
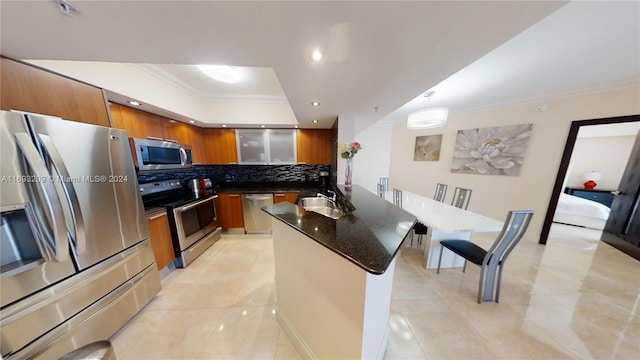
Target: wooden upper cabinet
(220,145)
(314,146)
(188,135)
(31,89)
(139,124)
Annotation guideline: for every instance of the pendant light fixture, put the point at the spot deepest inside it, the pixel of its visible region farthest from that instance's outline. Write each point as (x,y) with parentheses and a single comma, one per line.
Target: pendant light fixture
(427,118)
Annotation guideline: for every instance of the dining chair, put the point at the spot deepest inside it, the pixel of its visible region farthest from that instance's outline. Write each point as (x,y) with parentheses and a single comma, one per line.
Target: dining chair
(441,192)
(461,198)
(397,197)
(491,260)
(381,190)
(385,182)
(420,228)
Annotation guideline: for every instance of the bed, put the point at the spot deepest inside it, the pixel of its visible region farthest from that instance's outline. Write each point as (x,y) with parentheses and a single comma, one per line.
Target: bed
(577,211)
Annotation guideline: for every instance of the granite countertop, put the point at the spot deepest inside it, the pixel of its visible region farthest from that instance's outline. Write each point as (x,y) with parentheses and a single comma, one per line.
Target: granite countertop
(369,237)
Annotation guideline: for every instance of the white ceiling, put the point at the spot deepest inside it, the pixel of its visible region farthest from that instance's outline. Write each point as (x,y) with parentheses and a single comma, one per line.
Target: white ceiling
(379,56)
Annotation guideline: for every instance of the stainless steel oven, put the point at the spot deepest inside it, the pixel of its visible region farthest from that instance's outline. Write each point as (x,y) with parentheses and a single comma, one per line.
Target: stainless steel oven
(192,215)
(196,225)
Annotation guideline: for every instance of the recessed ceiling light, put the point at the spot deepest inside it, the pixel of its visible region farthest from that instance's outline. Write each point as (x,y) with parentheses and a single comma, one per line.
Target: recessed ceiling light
(316,55)
(315,121)
(134,103)
(263,125)
(295,126)
(224,125)
(315,103)
(224,73)
(191,121)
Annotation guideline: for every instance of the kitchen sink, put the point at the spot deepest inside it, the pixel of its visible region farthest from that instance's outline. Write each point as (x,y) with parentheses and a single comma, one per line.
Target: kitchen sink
(321,206)
(317,202)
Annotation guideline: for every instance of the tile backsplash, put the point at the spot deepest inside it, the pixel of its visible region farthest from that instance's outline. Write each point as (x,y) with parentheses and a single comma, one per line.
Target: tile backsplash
(241,173)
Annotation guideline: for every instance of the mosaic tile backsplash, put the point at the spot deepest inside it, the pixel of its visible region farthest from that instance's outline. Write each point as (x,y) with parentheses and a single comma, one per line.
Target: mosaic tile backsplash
(242,173)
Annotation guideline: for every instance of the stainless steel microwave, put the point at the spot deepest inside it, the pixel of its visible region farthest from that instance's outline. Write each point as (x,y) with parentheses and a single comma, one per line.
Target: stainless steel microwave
(151,154)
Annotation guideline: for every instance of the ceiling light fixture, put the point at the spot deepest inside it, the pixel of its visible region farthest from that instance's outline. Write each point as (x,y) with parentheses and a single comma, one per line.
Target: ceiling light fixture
(295,126)
(224,125)
(427,118)
(314,121)
(315,104)
(263,125)
(224,73)
(192,122)
(316,55)
(134,103)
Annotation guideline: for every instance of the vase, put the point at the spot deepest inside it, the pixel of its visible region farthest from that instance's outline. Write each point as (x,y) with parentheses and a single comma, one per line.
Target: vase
(347,174)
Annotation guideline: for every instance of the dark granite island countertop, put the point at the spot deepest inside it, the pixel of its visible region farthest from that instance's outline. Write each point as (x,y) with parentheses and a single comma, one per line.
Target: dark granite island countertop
(369,237)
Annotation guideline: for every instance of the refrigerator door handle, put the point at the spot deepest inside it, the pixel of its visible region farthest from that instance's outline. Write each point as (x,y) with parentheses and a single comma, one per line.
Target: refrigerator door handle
(70,193)
(58,245)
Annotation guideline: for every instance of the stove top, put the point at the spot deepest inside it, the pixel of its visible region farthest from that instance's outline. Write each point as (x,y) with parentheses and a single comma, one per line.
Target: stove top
(170,193)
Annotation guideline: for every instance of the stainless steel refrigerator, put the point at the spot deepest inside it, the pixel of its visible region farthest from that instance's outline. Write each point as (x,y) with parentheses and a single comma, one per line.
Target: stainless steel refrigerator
(77,262)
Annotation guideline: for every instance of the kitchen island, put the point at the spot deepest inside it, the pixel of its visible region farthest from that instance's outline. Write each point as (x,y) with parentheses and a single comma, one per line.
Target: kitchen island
(334,276)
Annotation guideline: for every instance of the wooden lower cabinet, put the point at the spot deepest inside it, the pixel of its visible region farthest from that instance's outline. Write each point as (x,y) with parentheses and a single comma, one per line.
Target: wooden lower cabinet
(230,210)
(161,238)
(290,196)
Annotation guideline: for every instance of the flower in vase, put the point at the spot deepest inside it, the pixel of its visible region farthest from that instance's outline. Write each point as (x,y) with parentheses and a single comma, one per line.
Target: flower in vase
(348,151)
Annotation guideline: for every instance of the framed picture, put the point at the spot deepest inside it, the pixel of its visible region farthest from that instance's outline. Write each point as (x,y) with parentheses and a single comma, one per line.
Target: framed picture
(427,148)
(491,151)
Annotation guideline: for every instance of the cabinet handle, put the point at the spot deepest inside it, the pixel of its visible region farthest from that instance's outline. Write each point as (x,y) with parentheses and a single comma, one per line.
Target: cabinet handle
(279,195)
(234,195)
(158,216)
(233,163)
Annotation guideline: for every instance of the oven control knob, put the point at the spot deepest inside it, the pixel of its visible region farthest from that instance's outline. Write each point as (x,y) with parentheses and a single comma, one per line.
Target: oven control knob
(172,184)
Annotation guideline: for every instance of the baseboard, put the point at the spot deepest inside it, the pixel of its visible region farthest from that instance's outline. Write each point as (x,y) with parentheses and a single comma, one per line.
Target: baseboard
(295,338)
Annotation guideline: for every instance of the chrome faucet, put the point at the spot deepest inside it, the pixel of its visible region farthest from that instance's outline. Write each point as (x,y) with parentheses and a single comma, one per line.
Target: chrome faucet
(332,198)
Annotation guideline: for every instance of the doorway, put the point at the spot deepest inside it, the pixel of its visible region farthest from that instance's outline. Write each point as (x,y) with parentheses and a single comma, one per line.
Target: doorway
(564,165)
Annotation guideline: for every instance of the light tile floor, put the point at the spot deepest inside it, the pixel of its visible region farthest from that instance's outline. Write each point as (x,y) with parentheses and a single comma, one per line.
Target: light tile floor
(575,298)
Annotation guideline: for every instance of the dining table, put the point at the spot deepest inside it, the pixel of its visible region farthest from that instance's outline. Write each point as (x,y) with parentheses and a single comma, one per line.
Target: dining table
(444,222)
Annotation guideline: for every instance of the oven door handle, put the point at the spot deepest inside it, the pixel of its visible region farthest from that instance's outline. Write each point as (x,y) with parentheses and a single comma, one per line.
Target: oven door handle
(187,207)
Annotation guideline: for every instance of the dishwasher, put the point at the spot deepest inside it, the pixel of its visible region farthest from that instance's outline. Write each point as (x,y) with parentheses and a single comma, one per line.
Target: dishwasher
(256,221)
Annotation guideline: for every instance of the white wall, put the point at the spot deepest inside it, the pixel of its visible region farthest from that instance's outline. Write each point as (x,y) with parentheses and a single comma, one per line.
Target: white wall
(607,155)
(372,162)
(346,134)
(494,195)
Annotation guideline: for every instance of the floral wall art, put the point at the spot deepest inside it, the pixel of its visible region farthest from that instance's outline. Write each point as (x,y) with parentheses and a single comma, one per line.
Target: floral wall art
(427,148)
(491,151)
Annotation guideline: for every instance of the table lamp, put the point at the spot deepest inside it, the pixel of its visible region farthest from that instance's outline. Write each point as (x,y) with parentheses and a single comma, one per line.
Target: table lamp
(591,177)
